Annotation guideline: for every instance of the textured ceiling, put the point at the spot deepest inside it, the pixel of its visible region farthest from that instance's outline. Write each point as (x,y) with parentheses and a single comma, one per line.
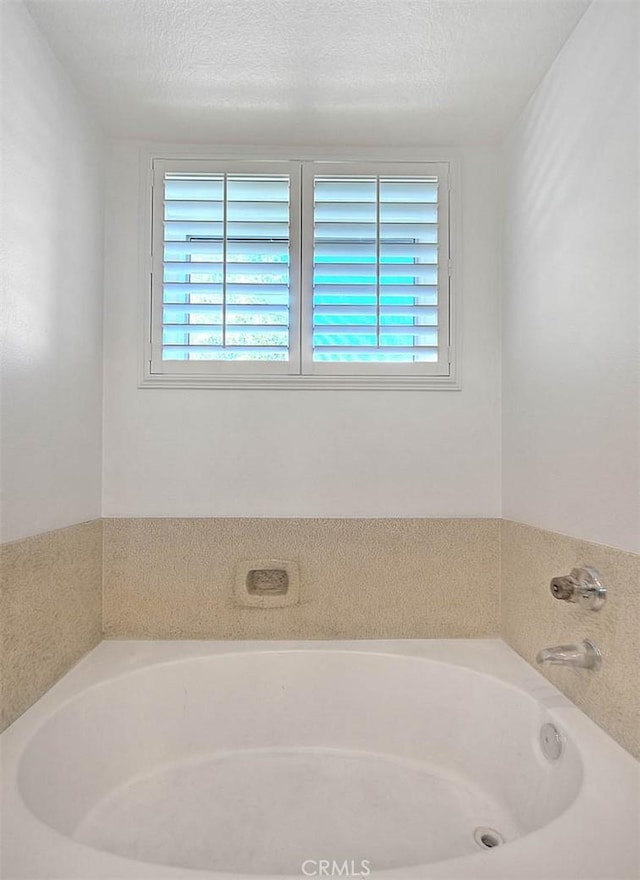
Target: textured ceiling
(315,72)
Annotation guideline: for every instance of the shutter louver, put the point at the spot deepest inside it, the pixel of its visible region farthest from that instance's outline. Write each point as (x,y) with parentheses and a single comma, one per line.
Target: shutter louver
(226,267)
(376,269)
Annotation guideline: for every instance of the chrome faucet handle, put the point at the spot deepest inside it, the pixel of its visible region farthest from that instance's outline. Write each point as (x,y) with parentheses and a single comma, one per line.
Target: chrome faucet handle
(583,587)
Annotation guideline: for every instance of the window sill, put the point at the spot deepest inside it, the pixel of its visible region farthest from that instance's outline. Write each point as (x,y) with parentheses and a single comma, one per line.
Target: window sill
(304,383)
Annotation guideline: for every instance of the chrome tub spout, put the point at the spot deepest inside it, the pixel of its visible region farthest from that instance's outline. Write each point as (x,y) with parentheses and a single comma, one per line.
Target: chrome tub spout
(583,656)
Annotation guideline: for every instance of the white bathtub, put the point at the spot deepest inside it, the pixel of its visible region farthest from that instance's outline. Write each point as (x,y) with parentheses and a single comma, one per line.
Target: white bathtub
(213,759)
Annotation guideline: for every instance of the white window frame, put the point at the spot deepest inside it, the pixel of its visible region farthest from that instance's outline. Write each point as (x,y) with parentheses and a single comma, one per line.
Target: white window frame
(300,371)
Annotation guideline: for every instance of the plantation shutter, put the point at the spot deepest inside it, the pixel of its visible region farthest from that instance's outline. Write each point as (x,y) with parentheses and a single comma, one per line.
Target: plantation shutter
(299,274)
(225,267)
(378,263)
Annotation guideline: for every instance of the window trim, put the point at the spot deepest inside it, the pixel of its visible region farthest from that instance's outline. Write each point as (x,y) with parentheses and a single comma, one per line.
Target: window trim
(273,159)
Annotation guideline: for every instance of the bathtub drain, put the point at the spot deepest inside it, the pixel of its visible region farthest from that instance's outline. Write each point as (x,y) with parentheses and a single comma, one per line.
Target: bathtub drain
(487,838)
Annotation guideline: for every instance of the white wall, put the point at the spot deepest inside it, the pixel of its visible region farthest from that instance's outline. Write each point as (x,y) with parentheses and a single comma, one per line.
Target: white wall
(172,452)
(571,390)
(52,169)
